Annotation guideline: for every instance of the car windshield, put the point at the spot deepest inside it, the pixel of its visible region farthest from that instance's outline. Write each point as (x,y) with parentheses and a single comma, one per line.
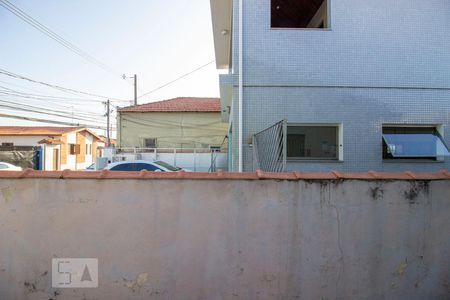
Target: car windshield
(167,166)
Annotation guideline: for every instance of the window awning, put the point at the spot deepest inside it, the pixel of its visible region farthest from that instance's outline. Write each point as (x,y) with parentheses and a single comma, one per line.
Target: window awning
(415,145)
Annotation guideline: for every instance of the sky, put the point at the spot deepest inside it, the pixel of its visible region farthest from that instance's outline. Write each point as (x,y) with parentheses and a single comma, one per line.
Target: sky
(157,40)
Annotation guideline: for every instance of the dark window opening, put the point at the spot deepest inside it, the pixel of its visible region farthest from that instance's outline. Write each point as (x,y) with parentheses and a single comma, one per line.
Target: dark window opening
(74,149)
(123,167)
(413,143)
(143,166)
(312,142)
(7,144)
(150,143)
(299,14)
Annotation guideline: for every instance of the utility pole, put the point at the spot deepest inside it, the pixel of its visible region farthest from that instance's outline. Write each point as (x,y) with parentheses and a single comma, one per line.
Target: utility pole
(135,89)
(107,123)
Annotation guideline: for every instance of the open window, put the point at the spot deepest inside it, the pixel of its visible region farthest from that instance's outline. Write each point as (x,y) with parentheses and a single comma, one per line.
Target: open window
(300,14)
(313,142)
(413,143)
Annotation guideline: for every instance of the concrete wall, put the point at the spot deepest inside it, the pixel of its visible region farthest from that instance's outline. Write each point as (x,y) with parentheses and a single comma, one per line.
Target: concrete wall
(172,130)
(380,62)
(228,239)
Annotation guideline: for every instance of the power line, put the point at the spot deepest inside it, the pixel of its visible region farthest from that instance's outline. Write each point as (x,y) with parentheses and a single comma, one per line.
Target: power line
(175,80)
(82,114)
(60,88)
(50,121)
(46,113)
(51,34)
(24,97)
(44,97)
(31,97)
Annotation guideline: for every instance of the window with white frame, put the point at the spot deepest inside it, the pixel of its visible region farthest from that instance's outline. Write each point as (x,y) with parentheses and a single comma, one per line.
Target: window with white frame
(313,142)
(88,149)
(300,14)
(413,142)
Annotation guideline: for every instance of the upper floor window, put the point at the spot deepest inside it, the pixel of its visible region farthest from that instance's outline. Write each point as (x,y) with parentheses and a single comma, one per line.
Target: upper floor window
(299,14)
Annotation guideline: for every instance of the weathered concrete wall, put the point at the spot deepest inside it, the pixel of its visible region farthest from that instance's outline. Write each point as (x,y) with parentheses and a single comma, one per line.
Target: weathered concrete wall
(228,239)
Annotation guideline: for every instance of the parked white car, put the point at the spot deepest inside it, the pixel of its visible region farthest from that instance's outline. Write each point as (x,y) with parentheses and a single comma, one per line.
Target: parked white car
(4,166)
(139,165)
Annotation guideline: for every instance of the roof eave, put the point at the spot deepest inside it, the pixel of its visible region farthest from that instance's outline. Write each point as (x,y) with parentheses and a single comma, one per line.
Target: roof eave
(221,15)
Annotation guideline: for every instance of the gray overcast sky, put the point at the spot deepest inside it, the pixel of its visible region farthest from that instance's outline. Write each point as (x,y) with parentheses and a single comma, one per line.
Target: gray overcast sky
(158,40)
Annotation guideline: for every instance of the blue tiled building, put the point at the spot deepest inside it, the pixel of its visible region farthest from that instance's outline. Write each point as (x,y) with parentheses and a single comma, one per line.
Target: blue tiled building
(354,85)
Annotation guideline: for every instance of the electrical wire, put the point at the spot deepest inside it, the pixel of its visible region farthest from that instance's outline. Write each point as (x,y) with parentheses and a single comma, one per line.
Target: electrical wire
(46,113)
(54,36)
(175,80)
(32,119)
(82,114)
(60,88)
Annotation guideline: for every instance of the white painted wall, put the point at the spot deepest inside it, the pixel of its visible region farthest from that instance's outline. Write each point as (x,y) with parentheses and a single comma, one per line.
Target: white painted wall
(48,160)
(22,140)
(71,159)
(72,138)
(88,158)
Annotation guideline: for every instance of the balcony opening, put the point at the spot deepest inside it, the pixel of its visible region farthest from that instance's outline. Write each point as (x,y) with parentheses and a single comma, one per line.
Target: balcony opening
(413,143)
(300,14)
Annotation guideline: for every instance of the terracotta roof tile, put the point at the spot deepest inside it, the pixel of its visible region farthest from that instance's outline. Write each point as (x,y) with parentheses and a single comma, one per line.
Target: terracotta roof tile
(259,175)
(35,130)
(50,141)
(181,104)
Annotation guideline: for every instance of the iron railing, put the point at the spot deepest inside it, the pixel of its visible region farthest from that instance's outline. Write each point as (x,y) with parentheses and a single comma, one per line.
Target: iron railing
(269,148)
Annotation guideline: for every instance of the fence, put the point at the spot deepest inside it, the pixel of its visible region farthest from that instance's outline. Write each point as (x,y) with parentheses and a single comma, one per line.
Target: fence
(221,237)
(195,159)
(269,148)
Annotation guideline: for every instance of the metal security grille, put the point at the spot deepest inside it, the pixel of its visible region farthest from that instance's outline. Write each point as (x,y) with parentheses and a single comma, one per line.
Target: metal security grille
(269,148)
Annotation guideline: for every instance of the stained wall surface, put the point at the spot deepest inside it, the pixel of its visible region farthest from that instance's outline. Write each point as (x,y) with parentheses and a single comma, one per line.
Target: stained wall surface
(228,239)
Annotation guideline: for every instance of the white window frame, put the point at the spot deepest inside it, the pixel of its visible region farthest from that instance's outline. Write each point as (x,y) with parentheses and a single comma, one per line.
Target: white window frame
(339,146)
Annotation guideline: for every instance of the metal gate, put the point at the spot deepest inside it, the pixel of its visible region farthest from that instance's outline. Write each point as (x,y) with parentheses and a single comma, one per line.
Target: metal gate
(269,148)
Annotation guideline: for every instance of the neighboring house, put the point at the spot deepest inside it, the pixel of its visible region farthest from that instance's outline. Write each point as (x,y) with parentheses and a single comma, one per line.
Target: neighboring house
(61,147)
(326,85)
(180,123)
(104,141)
